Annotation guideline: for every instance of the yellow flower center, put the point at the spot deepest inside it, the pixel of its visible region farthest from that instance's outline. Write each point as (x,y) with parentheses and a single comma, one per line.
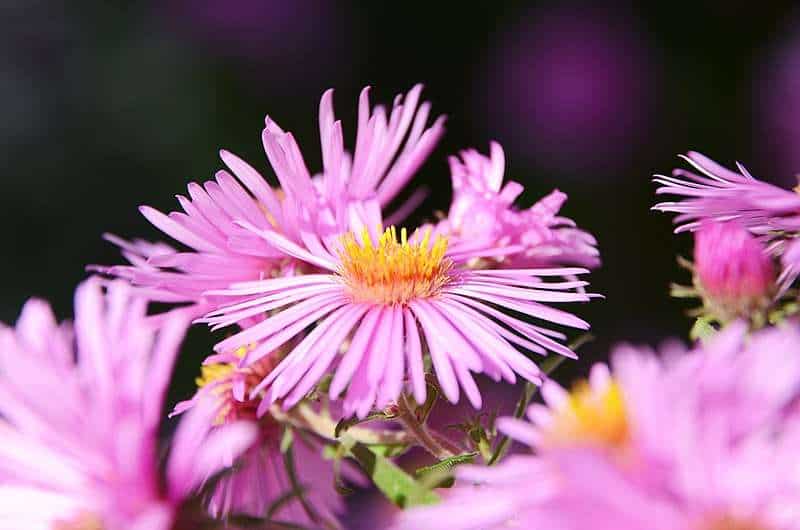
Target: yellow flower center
(728,522)
(394,272)
(82,521)
(222,375)
(589,415)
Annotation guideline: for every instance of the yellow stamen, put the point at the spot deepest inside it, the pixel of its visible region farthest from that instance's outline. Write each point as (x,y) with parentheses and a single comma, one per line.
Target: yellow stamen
(394,272)
(591,416)
(221,375)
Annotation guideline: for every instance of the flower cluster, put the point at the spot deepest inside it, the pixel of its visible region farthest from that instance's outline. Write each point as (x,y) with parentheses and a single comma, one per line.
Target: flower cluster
(336,317)
(344,330)
(700,438)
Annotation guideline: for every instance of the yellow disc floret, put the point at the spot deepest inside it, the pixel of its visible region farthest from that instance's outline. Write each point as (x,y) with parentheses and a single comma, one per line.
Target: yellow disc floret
(394,271)
(727,522)
(591,415)
(219,379)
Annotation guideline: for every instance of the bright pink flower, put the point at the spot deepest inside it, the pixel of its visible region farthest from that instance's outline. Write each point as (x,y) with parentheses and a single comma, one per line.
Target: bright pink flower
(483,219)
(703,440)
(384,291)
(720,194)
(732,268)
(348,194)
(81,409)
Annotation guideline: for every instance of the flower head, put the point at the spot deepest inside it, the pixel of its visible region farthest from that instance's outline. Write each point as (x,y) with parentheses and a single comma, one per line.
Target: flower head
(719,194)
(379,305)
(262,477)
(89,459)
(593,413)
(733,271)
(711,440)
(394,272)
(483,221)
(347,195)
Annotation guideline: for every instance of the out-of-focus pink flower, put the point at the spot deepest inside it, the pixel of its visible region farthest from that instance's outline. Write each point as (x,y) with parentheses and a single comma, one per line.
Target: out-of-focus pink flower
(709,442)
(483,219)
(733,270)
(348,194)
(81,408)
(384,290)
(262,477)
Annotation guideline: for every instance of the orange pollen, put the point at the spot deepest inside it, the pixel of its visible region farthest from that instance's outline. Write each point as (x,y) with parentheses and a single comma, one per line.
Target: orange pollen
(394,271)
(728,522)
(222,376)
(594,416)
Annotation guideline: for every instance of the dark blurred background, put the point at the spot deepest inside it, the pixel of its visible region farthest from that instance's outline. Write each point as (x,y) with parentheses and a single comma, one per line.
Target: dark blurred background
(105,106)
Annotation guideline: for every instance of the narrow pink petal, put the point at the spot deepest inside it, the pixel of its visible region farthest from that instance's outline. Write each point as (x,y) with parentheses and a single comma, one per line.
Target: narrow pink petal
(441,363)
(175,230)
(392,382)
(468,384)
(414,352)
(253,180)
(358,346)
(322,359)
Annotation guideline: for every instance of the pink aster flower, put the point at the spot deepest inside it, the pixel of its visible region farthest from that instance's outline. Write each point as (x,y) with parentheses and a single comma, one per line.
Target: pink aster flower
(704,440)
(262,477)
(81,408)
(379,304)
(348,194)
(483,218)
(719,194)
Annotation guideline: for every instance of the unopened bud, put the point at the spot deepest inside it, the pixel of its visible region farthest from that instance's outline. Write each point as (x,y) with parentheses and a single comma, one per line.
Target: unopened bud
(735,274)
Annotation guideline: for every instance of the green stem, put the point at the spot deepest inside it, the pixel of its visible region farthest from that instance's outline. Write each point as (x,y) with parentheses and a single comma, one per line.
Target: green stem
(306,418)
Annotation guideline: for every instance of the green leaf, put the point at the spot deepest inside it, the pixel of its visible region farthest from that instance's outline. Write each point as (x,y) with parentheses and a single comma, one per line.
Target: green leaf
(397,485)
(389,450)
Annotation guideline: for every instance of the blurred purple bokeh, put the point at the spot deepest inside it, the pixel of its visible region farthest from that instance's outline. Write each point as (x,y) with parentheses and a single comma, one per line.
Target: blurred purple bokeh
(776,106)
(281,39)
(572,88)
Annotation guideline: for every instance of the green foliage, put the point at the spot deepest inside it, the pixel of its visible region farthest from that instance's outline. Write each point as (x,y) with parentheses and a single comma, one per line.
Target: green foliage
(397,485)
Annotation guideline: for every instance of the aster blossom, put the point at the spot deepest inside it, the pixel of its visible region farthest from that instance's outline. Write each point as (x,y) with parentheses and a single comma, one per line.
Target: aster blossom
(704,440)
(396,297)
(717,193)
(265,473)
(482,218)
(89,459)
(348,194)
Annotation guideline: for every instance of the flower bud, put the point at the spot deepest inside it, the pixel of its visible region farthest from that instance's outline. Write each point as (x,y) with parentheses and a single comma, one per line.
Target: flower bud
(733,271)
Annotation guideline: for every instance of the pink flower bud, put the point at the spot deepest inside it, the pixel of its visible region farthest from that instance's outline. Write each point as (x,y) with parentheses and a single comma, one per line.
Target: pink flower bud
(732,267)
